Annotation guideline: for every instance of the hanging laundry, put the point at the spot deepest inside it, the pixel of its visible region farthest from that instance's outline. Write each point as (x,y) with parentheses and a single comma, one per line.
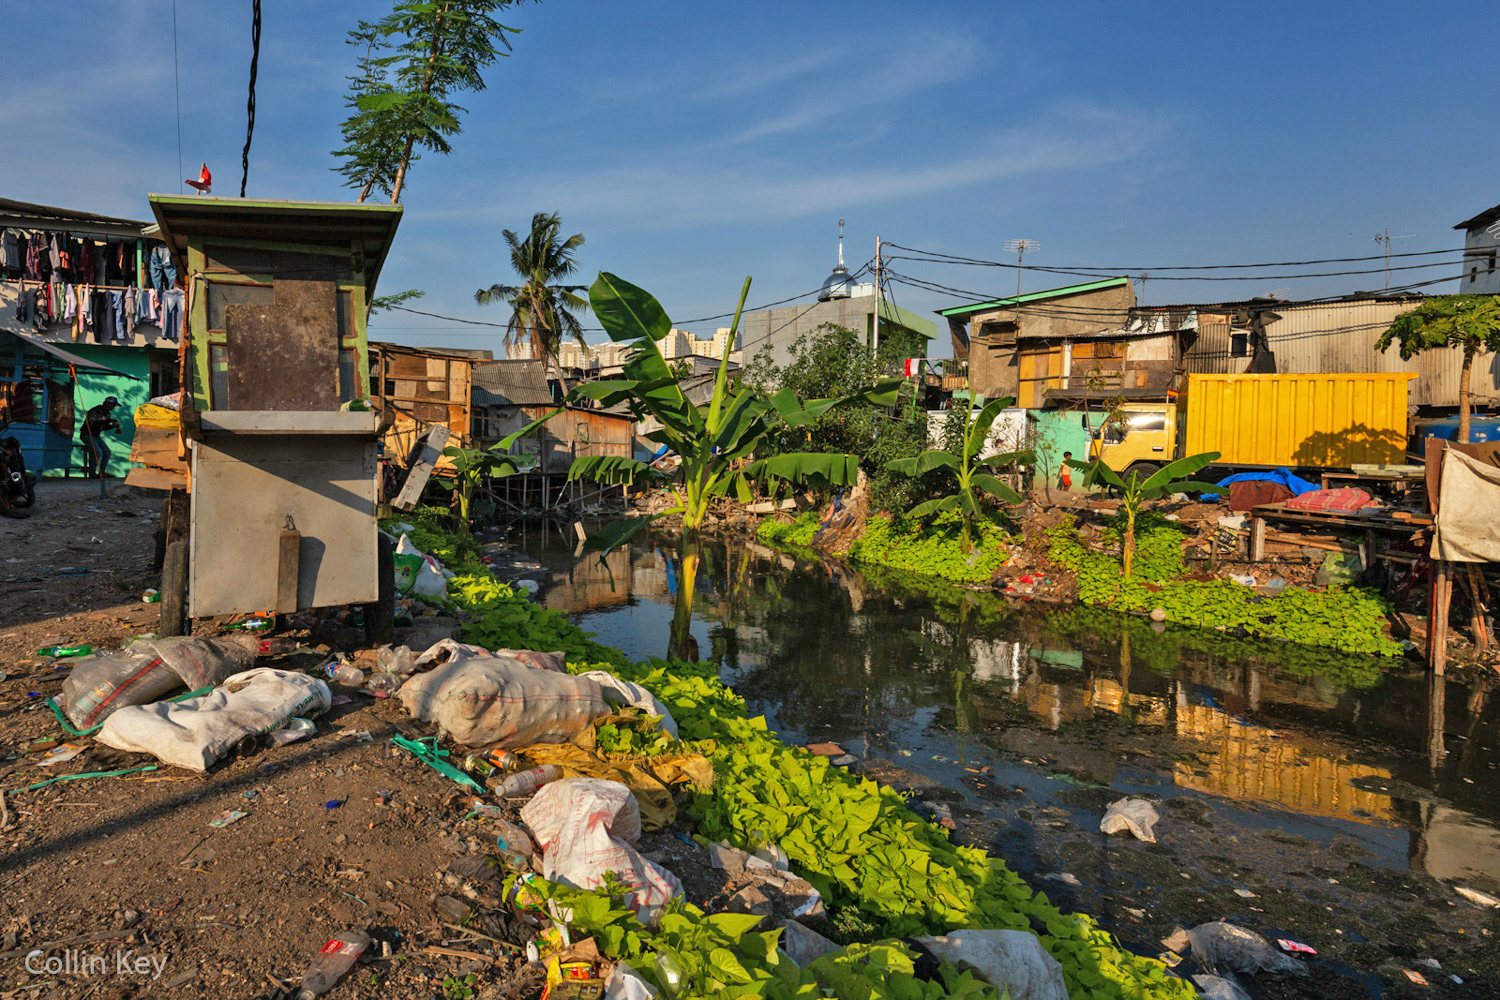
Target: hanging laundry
(130,296)
(145,306)
(98,315)
(171,313)
(163,271)
(117,316)
(12,258)
(70,306)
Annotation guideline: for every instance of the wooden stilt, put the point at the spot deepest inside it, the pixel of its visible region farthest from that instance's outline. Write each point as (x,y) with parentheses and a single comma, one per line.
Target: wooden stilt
(1437,626)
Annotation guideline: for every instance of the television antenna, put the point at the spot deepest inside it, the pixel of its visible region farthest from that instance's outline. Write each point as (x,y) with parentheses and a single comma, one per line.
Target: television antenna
(1021,248)
(1385,238)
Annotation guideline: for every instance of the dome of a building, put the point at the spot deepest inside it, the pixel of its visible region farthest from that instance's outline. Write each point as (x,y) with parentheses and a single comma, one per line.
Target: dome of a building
(837,285)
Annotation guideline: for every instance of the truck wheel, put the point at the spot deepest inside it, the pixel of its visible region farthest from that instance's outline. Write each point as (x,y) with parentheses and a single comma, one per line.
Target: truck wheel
(1145,470)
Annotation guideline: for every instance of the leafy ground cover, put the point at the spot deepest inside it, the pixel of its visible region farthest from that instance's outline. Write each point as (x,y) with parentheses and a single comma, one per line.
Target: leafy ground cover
(881,869)
(904,544)
(1344,618)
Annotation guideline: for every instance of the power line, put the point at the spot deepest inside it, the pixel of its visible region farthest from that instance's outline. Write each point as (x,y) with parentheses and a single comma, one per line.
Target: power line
(1136,268)
(1195,277)
(250,103)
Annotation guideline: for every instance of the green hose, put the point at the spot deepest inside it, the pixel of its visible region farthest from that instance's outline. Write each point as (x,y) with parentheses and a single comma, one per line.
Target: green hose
(63,721)
(90,774)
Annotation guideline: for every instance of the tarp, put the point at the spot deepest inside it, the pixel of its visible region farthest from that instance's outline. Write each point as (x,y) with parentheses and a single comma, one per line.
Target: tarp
(68,356)
(1284,476)
(651,779)
(1467,528)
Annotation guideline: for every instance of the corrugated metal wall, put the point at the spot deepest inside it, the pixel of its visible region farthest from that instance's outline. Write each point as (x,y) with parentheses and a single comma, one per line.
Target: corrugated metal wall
(1329,420)
(1337,337)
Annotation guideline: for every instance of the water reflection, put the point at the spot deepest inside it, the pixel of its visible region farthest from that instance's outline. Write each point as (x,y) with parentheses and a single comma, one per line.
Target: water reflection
(887,666)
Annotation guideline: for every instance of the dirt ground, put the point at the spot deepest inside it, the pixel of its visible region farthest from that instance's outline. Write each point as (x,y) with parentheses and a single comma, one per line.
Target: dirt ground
(340,833)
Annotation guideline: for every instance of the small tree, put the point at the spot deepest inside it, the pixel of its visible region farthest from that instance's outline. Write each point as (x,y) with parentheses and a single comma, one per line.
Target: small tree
(1471,322)
(1135,490)
(470,466)
(403,101)
(972,475)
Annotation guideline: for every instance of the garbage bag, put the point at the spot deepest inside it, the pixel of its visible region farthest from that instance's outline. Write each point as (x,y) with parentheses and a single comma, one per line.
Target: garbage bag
(195,733)
(585,827)
(498,701)
(631,693)
(147,670)
(1136,815)
(1216,988)
(418,573)
(557,660)
(1220,946)
(627,984)
(1007,960)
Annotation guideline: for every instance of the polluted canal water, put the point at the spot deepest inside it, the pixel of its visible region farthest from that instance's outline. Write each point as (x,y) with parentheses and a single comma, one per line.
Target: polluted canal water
(1339,802)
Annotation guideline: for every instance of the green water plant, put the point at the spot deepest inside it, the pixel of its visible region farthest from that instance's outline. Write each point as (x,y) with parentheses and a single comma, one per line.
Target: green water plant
(972,476)
(1136,489)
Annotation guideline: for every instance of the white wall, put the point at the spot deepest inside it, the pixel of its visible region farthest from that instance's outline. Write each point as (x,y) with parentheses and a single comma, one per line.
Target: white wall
(1481,261)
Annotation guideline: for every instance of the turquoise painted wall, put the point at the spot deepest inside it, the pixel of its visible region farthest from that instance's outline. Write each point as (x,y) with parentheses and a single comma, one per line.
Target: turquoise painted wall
(1054,432)
(93,386)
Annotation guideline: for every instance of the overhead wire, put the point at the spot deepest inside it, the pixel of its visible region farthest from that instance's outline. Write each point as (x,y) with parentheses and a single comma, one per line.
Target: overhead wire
(250,103)
(979,261)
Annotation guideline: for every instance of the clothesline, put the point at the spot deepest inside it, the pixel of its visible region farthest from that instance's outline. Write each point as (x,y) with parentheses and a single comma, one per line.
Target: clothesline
(102,288)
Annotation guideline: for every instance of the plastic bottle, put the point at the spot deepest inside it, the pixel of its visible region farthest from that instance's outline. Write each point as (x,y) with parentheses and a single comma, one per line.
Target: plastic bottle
(383,685)
(331,962)
(525,782)
(58,651)
(151,596)
(512,840)
(344,673)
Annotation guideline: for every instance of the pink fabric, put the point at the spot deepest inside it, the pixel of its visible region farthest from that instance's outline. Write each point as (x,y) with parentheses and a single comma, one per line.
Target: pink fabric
(1345,499)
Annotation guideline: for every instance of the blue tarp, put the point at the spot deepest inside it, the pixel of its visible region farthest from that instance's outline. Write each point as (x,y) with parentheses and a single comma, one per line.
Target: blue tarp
(1282,476)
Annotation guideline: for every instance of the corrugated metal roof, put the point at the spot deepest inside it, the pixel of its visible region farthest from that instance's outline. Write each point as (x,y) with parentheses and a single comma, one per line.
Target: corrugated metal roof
(520,382)
(1051,293)
(1481,220)
(29,216)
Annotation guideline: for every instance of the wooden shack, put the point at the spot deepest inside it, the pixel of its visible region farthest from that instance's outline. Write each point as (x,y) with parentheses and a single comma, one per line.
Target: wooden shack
(422,387)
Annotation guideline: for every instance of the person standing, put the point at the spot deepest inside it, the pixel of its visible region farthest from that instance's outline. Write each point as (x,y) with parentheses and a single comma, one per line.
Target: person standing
(1065,473)
(99,419)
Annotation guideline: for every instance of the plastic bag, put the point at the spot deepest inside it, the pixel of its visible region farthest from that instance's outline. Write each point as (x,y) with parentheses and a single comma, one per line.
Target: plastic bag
(626,984)
(1136,815)
(585,827)
(147,670)
(1216,988)
(631,693)
(1220,946)
(418,573)
(396,660)
(494,701)
(803,945)
(1007,960)
(195,733)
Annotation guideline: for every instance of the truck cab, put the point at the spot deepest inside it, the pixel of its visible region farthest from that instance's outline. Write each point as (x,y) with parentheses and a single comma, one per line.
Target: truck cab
(1142,439)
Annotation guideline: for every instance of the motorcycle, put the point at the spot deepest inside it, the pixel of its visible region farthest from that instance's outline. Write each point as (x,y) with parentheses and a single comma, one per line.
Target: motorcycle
(17,483)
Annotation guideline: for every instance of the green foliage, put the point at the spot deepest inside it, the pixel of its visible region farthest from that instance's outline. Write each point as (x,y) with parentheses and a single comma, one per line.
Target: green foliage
(974,484)
(542,311)
(1470,322)
(935,549)
(455,988)
(859,844)
(470,466)
(1169,479)
(834,361)
(723,444)
(413,62)
(391,301)
(1348,619)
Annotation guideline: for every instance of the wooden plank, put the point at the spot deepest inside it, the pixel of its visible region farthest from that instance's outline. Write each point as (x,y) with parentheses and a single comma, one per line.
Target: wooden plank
(287,567)
(1437,623)
(422,462)
(174,574)
(285,356)
(1257,539)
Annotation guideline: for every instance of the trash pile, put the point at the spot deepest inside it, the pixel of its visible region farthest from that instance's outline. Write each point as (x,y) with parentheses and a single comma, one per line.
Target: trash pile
(558,813)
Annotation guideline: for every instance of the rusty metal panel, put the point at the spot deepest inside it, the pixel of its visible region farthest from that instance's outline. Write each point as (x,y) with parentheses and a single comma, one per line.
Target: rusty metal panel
(285,356)
(249,488)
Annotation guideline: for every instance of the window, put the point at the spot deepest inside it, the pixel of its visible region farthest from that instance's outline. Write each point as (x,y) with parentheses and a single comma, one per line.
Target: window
(1132,422)
(1239,344)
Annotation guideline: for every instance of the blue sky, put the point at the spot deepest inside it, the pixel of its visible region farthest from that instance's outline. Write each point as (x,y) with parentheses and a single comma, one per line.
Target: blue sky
(695,143)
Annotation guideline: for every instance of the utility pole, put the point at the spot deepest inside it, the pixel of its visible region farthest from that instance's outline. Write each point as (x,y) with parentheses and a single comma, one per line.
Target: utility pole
(1021,248)
(1144,276)
(875,345)
(1386,238)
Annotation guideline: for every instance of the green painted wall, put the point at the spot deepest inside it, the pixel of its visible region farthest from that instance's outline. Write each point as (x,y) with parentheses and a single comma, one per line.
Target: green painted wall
(93,386)
(1054,432)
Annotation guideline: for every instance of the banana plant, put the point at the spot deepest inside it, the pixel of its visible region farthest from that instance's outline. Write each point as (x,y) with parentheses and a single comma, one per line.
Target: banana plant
(971,474)
(470,466)
(722,444)
(1135,489)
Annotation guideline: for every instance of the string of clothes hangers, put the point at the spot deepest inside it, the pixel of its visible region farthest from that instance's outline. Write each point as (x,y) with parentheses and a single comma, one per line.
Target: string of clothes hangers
(104,287)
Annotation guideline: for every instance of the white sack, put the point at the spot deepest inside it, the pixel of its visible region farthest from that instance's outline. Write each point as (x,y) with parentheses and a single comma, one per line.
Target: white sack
(633,694)
(448,651)
(195,733)
(1007,960)
(1136,815)
(1467,529)
(626,984)
(585,827)
(430,579)
(489,700)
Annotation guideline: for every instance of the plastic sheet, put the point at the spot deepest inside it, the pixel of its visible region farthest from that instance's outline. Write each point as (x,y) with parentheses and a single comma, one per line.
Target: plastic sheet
(1220,946)
(1013,961)
(1136,815)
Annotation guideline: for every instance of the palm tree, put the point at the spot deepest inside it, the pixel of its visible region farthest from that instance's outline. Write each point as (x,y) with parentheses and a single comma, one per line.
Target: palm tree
(541,312)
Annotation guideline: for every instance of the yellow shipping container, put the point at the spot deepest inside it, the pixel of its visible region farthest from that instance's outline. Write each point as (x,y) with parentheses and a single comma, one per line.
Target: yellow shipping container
(1298,420)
